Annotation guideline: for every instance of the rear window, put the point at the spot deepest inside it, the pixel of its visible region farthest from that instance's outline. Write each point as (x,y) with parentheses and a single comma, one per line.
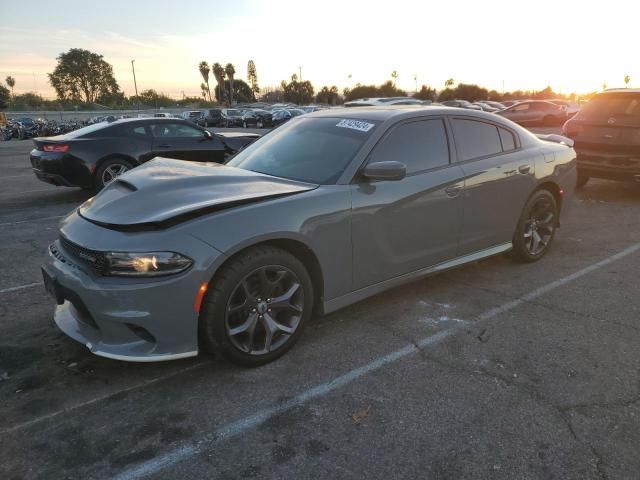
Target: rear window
(314,150)
(613,105)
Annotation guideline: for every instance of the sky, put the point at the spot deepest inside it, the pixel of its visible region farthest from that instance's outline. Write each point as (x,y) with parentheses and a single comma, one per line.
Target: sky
(573,46)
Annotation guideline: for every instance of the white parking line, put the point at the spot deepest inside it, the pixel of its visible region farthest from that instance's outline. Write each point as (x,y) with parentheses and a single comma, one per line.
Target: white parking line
(20,287)
(245,424)
(41,219)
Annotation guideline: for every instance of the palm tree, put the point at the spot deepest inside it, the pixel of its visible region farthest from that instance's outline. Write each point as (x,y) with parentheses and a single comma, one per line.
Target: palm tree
(219,73)
(394,75)
(449,83)
(11,82)
(230,71)
(627,79)
(204,71)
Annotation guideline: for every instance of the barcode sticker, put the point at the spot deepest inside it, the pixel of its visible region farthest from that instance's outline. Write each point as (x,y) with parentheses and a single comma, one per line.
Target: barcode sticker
(355,125)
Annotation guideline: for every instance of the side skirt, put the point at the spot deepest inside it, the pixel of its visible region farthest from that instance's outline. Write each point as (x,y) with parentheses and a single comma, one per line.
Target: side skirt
(358,295)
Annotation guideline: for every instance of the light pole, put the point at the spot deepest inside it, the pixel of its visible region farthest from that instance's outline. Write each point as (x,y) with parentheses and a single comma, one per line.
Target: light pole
(300,70)
(134,77)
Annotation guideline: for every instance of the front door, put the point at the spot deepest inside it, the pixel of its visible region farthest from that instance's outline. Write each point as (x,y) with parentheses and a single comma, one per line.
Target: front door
(402,226)
(184,142)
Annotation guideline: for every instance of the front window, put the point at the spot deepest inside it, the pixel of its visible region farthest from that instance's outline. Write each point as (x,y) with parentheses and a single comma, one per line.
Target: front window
(314,150)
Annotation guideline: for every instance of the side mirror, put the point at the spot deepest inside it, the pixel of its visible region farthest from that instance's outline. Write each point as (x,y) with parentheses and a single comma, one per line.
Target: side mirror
(385,171)
(208,134)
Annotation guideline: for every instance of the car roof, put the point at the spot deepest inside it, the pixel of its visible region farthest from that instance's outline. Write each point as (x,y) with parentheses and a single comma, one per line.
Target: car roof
(384,113)
(120,121)
(622,90)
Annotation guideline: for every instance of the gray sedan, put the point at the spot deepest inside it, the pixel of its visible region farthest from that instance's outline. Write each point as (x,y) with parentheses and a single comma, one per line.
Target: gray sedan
(175,257)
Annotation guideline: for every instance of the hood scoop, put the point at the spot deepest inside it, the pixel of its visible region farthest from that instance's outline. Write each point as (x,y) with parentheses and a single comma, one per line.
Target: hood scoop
(164,192)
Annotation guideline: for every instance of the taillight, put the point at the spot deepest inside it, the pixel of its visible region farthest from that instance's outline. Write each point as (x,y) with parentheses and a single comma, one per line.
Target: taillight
(56,147)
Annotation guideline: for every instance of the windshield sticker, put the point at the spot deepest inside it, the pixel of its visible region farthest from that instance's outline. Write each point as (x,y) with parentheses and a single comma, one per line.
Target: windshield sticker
(355,125)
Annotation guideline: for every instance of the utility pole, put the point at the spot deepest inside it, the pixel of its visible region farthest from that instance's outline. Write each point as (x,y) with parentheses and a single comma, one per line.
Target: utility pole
(135,84)
(300,70)
(415,78)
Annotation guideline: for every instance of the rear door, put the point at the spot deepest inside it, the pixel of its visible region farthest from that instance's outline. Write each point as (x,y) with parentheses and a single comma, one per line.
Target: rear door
(185,142)
(499,176)
(402,226)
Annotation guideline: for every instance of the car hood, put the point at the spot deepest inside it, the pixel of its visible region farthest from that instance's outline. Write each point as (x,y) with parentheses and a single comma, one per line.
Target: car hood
(164,192)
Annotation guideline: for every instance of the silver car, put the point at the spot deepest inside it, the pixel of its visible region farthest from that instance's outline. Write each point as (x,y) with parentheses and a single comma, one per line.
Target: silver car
(333,207)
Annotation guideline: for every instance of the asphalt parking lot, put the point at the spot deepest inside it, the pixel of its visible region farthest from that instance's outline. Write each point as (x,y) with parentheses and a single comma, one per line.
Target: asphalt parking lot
(495,370)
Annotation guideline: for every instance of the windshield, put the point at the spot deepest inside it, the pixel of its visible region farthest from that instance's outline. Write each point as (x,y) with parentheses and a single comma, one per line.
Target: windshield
(313,150)
(234,112)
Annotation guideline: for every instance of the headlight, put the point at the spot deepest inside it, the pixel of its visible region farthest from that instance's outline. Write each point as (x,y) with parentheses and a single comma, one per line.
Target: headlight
(151,264)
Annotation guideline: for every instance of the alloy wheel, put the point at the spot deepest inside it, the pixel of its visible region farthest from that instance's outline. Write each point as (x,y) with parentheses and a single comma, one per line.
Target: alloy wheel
(112,172)
(539,227)
(264,310)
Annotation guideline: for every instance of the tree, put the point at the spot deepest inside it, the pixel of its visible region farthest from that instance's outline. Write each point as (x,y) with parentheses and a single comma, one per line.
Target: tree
(387,89)
(153,99)
(394,75)
(464,91)
(426,93)
(219,73)
(241,90)
(252,77)
(205,90)
(11,82)
(82,75)
(230,70)
(449,83)
(604,85)
(627,79)
(5,95)
(297,92)
(328,95)
(204,71)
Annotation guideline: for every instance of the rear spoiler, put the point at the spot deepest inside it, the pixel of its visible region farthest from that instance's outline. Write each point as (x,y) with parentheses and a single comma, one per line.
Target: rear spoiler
(556,139)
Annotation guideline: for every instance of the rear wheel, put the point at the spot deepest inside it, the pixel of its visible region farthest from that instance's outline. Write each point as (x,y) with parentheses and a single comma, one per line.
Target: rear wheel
(536,228)
(257,307)
(109,171)
(582,180)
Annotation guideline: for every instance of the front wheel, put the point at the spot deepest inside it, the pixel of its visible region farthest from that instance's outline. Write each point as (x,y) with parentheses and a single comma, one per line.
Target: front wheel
(536,227)
(257,306)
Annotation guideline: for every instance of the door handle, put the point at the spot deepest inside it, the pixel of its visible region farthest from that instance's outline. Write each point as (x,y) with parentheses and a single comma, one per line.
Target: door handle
(453,190)
(524,169)
(164,145)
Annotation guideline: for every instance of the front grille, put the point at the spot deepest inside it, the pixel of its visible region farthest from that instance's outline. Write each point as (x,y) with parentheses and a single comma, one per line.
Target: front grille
(89,257)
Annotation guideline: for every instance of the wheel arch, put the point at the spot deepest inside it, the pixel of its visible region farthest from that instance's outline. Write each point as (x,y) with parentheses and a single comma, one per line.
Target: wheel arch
(116,156)
(555,190)
(296,247)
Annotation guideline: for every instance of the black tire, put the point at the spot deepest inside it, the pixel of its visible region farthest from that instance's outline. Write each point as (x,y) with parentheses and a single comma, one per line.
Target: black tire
(228,286)
(582,180)
(100,180)
(533,239)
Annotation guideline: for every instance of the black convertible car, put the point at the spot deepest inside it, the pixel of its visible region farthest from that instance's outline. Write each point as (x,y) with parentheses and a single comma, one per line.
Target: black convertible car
(93,156)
